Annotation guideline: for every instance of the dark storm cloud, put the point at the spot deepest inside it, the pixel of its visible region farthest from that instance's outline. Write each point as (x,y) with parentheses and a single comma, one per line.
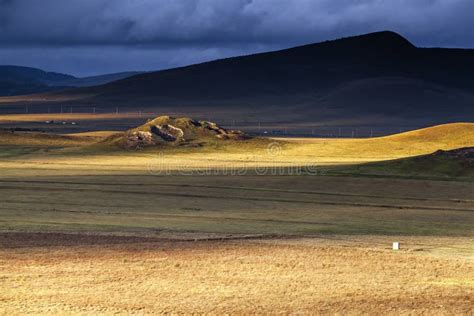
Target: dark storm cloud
(175,22)
(120,22)
(203,29)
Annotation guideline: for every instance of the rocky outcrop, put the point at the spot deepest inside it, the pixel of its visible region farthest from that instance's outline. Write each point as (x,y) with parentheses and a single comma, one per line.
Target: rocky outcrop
(166,130)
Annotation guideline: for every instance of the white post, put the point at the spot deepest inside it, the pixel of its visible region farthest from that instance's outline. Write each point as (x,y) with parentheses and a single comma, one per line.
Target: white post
(396,246)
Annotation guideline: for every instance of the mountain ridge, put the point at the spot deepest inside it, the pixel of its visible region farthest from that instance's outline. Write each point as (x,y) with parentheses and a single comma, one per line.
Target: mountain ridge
(378,74)
(18,80)
(371,45)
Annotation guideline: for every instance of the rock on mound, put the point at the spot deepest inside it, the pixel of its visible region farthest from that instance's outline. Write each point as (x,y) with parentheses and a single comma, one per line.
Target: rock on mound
(166,130)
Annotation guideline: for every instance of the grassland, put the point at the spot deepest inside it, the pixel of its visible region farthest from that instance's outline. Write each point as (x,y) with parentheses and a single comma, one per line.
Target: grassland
(315,276)
(270,205)
(252,153)
(439,165)
(250,187)
(86,227)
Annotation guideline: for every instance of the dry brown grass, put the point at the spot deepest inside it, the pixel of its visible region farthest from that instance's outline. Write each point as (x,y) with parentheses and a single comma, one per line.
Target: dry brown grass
(97,134)
(64,117)
(40,140)
(41,97)
(233,277)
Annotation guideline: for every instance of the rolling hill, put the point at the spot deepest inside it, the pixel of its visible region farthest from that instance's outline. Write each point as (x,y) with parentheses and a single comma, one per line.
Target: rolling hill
(18,80)
(447,164)
(461,134)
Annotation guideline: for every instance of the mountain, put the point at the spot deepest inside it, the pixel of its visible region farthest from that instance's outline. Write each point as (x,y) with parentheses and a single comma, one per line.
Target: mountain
(96,80)
(377,78)
(18,80)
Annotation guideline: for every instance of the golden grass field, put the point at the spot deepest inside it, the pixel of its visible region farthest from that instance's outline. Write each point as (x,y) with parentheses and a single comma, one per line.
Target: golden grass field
(259,226)
(253,153)
(315,276)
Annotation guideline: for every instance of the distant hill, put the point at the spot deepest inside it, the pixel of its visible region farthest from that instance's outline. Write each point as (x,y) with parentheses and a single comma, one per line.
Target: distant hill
(18,80)
(449,147)
(96,80)
(374,78)
(460,134)
(449,164)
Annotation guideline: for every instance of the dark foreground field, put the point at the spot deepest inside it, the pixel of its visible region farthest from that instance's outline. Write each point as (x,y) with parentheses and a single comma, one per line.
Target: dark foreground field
(276,205)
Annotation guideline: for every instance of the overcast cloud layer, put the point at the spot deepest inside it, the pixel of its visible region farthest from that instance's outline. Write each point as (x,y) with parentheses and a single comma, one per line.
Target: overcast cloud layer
(85,37)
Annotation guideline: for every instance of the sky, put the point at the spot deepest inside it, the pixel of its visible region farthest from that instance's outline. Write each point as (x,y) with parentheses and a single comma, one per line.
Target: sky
(89,37)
